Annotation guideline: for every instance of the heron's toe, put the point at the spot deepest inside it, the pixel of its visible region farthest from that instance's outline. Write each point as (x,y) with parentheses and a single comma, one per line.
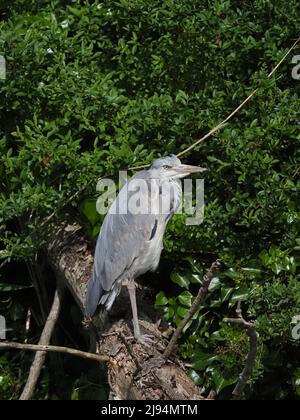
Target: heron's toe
(145,339)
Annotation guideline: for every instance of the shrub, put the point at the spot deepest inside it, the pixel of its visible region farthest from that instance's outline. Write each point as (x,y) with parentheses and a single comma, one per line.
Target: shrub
(93,87)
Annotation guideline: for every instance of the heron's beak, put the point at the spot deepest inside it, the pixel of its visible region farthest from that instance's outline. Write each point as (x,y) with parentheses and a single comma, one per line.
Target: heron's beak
(189,169)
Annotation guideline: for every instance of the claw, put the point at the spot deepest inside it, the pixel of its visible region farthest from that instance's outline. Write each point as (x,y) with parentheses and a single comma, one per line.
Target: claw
(144,339)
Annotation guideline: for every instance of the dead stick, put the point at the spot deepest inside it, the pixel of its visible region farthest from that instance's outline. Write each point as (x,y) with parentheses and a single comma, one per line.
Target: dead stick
(224,122)
(194,308)
(250,362)
(129,350)
(55,349)
(39,358)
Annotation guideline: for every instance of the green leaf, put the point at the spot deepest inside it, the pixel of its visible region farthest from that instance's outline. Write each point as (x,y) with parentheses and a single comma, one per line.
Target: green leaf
(215,284)
(225,293)
(232,273)
(76,12)
(181,311)
(196,278)
(202,360)
(186,298)
(254,271)
(95,231)
(161,299)
(89,211)
(169,312)
(221,382)
(242,293)
(4,287)
(188,325)
(182,281)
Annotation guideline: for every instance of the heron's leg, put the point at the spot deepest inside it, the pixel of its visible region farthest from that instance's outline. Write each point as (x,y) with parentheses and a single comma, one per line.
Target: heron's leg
(136,326)
(141,338)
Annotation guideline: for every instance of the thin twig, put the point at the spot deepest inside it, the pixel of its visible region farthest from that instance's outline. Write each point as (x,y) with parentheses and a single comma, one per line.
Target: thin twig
(218,127)
(211,396)
(39,358)
(32,270)
(250,362)
(130,350)
(223,123)
(4,263)
(55,349)
(194,308)
(296,172)
(190,148)
(27,325)
(284,57)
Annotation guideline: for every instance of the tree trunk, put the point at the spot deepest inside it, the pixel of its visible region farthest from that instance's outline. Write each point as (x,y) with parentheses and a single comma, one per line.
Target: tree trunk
(137,372)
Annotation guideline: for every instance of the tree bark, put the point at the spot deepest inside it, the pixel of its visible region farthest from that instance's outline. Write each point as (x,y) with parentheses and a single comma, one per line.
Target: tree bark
(137,372)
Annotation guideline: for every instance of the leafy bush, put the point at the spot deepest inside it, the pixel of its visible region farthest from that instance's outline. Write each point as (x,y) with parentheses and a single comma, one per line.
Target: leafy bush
(218,351)
(97,86)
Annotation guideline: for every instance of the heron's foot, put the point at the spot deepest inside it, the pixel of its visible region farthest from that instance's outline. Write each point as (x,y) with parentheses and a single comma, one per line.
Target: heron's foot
(143,339)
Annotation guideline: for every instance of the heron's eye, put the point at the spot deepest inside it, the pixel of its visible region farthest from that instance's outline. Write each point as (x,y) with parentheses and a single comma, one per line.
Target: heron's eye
(167,167)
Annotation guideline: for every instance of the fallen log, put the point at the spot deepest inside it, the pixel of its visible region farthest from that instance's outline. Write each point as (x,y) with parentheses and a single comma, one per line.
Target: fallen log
(137,372)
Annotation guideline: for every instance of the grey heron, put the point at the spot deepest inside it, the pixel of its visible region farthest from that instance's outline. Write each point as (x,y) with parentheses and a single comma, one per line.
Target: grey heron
(130,242)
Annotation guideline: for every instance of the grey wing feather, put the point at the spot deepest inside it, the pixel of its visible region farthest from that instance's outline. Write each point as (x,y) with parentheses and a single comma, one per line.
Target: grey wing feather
(122,239)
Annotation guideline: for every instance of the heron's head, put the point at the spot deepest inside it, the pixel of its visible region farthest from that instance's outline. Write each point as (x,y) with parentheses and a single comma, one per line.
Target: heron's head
(172,168)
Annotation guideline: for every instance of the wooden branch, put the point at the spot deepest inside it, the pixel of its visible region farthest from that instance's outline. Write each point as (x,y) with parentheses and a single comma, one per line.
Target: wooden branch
(70,257)
(194,308)
(250,362)
(40,357)
(55,349)
(222,124)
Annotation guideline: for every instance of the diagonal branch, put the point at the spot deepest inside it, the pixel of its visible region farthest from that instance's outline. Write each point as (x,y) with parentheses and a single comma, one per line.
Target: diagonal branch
(194,308)
(214,130)
(250,362)
(224,122)
(40,356)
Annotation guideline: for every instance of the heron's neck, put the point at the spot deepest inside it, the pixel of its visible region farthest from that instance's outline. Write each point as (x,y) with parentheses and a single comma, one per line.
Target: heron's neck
(175,190)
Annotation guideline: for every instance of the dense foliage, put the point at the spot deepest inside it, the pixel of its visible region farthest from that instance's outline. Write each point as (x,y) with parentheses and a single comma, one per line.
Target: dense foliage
(93,87)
